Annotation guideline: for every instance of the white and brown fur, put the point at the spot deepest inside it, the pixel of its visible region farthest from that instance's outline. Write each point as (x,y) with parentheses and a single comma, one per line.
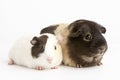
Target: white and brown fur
(36,52)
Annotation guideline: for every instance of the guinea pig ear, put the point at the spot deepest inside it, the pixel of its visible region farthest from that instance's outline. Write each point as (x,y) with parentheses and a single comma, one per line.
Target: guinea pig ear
(75,30)
(75,34)
(103,30)
(34,41)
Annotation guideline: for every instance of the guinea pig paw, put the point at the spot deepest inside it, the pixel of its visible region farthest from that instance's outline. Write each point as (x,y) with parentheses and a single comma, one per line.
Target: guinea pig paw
(54,67)
(78,66)
(99,64)
(10,62)
(39,68)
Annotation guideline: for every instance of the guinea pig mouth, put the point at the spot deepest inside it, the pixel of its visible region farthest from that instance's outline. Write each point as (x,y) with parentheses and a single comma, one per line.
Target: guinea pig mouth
(96,53)
(99,50)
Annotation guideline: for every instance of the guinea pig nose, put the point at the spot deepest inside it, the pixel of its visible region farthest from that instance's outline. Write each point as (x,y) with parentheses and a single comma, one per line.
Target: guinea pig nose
(101,50)
(49,59)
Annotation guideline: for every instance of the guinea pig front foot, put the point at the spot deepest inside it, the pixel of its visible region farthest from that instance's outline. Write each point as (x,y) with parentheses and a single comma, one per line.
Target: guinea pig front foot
(100,63)
(39,68)
(73,65)
(10,62)
(54,67)
(78,66)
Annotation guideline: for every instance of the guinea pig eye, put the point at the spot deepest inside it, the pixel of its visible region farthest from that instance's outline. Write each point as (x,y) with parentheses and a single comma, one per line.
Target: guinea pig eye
(55,47)
(88,37)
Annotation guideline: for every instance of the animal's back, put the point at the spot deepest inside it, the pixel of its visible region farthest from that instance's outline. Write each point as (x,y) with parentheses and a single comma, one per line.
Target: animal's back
(21,51)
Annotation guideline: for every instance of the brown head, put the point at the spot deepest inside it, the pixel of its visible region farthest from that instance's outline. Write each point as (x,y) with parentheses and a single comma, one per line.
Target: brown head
(85,38)
(38,45)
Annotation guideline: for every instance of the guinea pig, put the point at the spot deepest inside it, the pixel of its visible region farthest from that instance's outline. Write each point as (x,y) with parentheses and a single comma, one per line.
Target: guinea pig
(82,42)
(43,52)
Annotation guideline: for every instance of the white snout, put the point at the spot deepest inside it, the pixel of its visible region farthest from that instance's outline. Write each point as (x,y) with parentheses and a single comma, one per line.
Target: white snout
(49,59)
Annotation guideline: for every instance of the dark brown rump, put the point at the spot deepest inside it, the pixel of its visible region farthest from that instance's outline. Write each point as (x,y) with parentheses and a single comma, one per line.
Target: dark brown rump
(49,29)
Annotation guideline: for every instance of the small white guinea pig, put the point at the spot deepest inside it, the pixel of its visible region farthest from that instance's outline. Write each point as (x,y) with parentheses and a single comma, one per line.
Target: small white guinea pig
(40,53)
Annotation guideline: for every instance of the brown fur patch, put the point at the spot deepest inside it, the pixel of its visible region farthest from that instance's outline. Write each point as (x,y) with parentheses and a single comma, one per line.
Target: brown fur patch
(39,47)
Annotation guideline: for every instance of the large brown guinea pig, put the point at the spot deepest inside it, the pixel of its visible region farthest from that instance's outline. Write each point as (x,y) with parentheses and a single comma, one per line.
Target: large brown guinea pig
(82,42)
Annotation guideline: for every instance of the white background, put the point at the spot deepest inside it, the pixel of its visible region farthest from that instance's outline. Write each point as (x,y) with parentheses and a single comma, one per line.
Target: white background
(20,17)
